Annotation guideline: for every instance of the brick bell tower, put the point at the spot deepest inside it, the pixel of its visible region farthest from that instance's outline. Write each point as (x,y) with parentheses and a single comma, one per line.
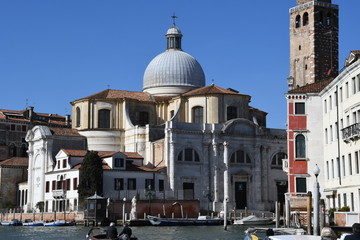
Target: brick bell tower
(314,29)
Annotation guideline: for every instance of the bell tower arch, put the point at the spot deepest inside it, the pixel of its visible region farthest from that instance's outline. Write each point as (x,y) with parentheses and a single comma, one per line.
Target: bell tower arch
(314,30)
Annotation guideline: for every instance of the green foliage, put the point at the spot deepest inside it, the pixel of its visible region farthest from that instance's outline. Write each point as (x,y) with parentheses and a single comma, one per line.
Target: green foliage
(90,176)
(344,209)
(40,206)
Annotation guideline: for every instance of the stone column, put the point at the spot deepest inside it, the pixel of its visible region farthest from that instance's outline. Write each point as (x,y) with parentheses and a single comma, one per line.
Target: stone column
(226,182)
(215,170)
(172,165)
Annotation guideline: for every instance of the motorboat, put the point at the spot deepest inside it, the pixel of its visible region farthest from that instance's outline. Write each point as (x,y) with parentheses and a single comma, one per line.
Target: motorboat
(253,220)
(13,222)
(58,223)
(201,220)
(295,237)
(96,233)
(29,222)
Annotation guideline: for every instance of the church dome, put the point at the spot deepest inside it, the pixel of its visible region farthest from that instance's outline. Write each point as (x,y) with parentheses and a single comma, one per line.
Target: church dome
(174,71)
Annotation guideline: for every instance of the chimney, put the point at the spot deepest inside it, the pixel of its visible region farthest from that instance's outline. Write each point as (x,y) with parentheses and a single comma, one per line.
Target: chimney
(67,119)
(31,113)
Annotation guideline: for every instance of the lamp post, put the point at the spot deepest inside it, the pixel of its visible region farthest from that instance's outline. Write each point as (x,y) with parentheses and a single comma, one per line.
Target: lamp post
(124,199)
(316,200)
(150,194)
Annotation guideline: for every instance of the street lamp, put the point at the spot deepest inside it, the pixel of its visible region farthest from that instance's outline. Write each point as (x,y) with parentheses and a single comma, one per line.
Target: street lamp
(316,172)
(124,199)
(150,194)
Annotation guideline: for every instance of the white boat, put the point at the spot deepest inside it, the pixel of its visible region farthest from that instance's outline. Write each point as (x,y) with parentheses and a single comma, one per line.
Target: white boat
(13,222)
(253,220)
(201,220)
(58,223)
(29,222)
(295,237)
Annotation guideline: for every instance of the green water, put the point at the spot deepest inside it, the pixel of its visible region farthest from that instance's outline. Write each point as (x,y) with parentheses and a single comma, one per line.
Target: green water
(233,232)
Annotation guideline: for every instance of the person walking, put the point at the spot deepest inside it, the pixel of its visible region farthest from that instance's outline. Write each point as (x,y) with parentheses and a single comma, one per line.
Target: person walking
(356,232)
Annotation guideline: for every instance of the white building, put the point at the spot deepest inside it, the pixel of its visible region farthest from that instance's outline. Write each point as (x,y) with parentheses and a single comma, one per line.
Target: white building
(214,145)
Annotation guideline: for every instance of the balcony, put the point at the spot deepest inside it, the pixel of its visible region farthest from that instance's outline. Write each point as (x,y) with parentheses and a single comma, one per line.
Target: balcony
(60,193)
(351,133)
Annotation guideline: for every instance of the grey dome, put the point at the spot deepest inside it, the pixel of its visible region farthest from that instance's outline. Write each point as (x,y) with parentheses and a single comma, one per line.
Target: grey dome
(172,68)
(173,71)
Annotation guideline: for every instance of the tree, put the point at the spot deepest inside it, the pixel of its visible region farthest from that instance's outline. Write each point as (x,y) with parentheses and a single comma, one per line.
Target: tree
(90,176)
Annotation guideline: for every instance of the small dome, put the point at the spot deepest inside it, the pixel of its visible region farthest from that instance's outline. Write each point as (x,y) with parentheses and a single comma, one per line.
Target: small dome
(174,71)
(173,30)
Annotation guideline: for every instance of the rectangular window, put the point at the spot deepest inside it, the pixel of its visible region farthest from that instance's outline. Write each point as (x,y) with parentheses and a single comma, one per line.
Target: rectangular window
(336,130)
(350,164)
(338,167)
(119,162)
(352,202)
(53,187)
(327,170)
(150,183)
(347,90)
(161,185)
(326,136)
(23,128)
(345,199)
(343,165)
(332,169)
(67,184)
(336,98)
(341,94)
(64,163)
(118,184)
(299,108)
(339,200)
(75,183)
(12,127)
(131,184)
(301,185)
(58,164)
(354,85)
(331,134)
(47,186)
(325,106)
(354,117)
(330,102)
(357,162)
(358,82)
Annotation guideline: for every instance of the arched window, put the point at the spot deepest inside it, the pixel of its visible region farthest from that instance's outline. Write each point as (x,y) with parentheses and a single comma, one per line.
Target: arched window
(12,150)
(104,118)
(297,21)
(277,159)
(300,146)
(197,115)
(188,155)
(240,157)
(328,19)
(78,117)
(231,113)
(305,19)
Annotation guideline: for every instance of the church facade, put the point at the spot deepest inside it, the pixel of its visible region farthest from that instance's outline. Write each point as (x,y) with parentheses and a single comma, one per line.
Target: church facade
(214,146)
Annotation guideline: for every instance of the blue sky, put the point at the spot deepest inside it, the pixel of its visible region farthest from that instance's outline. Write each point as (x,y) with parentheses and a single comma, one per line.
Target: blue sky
(55,51)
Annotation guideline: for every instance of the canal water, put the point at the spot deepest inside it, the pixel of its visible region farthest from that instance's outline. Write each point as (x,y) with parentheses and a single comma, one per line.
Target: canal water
(233,232)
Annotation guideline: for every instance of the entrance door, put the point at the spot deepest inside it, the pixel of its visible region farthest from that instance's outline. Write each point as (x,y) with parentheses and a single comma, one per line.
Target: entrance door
(188,189)
(240,195)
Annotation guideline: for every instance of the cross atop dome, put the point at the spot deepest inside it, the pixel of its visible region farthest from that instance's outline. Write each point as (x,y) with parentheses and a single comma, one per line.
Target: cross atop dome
(174,17)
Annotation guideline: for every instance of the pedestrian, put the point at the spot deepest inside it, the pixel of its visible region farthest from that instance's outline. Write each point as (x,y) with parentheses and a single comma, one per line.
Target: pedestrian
(111,232)
(356,232)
